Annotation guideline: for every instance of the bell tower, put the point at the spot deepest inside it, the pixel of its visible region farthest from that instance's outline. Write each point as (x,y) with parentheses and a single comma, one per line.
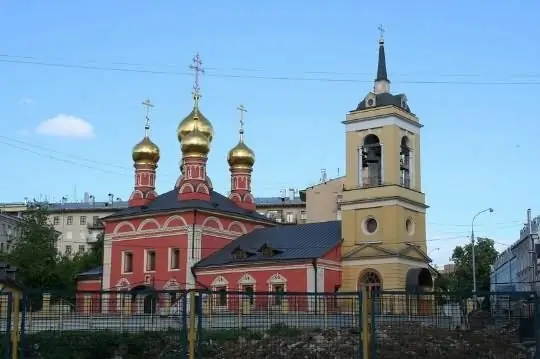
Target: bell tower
(383,208)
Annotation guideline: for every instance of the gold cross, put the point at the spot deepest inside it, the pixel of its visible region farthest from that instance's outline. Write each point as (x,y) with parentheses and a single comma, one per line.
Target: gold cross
(242,110)
(148,104)
(197,68)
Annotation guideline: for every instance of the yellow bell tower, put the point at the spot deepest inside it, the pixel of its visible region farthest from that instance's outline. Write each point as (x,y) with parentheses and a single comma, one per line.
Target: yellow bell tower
(383,210)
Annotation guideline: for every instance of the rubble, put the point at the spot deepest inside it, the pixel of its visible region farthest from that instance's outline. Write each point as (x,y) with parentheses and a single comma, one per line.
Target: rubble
(392,341)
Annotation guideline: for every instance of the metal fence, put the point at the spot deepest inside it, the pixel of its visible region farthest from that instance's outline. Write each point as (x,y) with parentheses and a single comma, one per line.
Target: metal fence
(225,324)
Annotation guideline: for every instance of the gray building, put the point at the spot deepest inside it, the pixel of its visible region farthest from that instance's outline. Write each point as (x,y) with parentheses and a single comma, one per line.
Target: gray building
(9,231)
(516,269)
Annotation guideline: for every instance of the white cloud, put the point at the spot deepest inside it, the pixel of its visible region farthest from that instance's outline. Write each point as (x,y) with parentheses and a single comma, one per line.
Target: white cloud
(25,101)
(66,126)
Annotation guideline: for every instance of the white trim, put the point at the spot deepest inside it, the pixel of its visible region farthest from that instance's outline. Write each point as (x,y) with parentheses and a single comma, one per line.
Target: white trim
(247,279)
(380,261)
(147,251)
(366,124)
(382,164)
(364,225)
(360,166)
(383,203)
(190,280)
(412,172)
(327,261)
(320,279)
(258,268)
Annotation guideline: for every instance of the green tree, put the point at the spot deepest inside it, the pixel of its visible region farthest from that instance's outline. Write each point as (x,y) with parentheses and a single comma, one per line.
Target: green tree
(462,256)
(35,253)
(92,258)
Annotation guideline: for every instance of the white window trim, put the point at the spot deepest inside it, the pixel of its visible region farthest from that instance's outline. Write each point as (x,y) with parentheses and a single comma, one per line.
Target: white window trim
(146,252)
(360,166)
(124,254)
(382,164)
(171,269)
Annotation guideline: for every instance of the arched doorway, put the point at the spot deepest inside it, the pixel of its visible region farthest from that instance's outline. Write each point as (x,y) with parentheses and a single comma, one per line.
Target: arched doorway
(144,299)
(371,280)
(419,284)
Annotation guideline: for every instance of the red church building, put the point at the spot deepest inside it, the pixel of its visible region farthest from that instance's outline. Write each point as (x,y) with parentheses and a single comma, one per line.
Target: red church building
(193,237)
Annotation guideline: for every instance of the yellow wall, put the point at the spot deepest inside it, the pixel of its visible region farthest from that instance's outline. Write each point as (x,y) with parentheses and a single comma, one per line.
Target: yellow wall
(390,203)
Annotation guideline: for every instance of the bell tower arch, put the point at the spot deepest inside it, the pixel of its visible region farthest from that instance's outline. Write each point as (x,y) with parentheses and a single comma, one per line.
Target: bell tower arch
(383,208)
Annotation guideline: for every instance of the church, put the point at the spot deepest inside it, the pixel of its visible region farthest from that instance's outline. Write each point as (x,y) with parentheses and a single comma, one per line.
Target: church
(193,237)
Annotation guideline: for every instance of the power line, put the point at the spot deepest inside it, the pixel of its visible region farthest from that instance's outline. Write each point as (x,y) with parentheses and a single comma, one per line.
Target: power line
(261,77)
(244,69)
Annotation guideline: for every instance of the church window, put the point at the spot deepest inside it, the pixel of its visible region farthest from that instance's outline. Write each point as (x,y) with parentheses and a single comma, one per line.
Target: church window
(409,226)
(405,162)
(370,225)
(248,290)
(371,156)
(279,290)
(128,262)
(150,260)
(175,258)
(221,296)
(370,280)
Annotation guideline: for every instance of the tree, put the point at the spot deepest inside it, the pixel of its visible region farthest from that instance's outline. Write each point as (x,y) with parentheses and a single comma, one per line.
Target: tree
(34,253)
(485,253)
(92,258)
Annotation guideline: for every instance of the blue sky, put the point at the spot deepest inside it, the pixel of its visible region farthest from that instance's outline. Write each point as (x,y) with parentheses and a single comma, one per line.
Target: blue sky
(298,66)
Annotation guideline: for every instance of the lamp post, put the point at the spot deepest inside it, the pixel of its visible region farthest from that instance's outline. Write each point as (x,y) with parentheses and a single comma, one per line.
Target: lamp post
(490,210)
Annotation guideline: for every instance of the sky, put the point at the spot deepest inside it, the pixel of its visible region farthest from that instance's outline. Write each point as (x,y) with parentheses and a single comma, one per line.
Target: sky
(73,76)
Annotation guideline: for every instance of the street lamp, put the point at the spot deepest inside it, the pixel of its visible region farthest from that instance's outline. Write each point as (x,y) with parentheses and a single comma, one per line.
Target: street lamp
(490,210)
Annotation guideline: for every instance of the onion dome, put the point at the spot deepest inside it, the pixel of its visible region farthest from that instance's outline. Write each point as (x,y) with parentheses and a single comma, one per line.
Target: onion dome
(188,124)
(241,156)
(195,143)
(146,152)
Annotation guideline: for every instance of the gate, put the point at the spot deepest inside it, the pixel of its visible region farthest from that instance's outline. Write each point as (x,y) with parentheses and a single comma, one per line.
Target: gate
(7,335)
(504,324)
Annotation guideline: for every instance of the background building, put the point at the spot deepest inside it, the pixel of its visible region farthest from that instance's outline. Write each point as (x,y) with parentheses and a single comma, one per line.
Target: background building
(323,200)
(9,231)
(516,269)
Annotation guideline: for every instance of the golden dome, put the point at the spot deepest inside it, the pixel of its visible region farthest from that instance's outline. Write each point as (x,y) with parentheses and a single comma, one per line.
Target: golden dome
(241,156)
(146,152)
(188,124)
(195,143)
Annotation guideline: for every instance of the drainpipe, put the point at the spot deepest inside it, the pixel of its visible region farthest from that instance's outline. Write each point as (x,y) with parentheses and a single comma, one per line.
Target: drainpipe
(314,264)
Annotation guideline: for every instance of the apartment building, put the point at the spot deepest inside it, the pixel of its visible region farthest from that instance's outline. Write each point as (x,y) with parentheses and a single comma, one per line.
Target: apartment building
(323,200)
(9,231)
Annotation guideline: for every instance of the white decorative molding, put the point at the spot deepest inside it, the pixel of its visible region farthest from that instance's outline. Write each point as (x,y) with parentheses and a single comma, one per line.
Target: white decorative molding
(247,279)
(122,225)
(212,219)
(220,281)
(147,221)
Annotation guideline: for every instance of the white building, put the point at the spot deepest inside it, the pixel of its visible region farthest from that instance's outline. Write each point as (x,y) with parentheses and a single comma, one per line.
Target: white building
(9,231)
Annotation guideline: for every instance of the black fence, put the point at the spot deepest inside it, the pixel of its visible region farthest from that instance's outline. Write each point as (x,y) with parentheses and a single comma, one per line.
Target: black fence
(249,325)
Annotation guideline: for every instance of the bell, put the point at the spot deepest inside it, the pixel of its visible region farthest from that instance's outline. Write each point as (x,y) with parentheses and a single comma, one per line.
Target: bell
(372,157)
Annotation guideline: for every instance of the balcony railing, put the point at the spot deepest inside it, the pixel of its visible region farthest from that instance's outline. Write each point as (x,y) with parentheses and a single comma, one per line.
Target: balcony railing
(95,225)
(371,181)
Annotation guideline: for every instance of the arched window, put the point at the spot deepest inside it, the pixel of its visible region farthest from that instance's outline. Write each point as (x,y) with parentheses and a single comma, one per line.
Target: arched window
(370,279)
(371,161)
(405,162)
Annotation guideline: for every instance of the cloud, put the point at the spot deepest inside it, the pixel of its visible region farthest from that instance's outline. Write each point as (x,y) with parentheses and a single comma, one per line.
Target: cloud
(25,101)
(66,126)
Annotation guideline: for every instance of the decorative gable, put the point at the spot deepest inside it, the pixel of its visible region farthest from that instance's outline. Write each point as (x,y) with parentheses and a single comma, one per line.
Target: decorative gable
(414,251)
(267,251)
(239,253)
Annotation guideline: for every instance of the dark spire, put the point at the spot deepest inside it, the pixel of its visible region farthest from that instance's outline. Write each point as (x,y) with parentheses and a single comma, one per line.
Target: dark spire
(382,75)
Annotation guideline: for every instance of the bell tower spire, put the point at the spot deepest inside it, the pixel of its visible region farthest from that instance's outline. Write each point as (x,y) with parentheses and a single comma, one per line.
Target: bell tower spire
(382,83)
(145,157)
(383,209)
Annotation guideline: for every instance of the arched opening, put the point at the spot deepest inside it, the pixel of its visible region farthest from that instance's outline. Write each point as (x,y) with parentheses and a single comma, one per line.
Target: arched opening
(371,161)
(144,299)
(405,162)
(371,280)
(419,283)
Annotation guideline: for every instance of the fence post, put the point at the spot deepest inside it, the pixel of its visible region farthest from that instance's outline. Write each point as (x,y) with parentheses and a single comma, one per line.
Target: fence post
(364,338)
(15,297)
(537,325)
(192,336)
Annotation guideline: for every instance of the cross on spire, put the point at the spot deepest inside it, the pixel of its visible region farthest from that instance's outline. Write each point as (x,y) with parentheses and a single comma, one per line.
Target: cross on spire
(381,31)
(242,110)
(148,104)
(198,70)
